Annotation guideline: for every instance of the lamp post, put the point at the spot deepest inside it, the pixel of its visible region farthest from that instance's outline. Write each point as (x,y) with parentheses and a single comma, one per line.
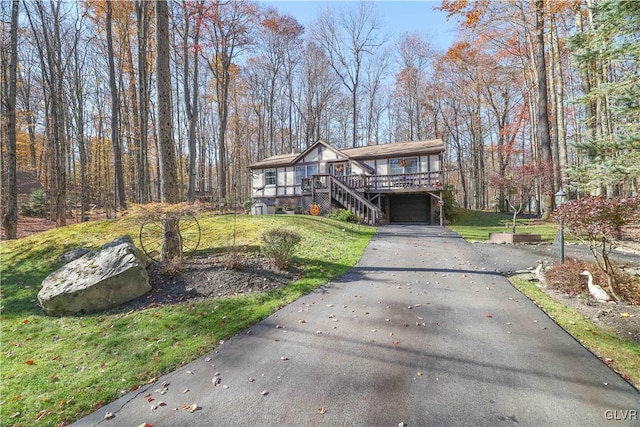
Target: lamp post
(560,198)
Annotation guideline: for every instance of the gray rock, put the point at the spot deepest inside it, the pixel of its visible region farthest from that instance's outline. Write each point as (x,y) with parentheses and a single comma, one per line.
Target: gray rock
(72,255)
(97,281)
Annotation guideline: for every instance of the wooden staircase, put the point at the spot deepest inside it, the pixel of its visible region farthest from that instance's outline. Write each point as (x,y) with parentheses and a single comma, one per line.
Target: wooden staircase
(325,190)
(355,202)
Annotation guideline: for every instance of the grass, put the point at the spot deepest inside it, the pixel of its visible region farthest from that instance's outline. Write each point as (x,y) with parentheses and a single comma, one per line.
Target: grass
(476,225)
(623,356)
(56,370)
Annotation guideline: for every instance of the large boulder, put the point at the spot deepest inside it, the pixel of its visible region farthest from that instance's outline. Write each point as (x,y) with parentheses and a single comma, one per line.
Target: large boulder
(97,281)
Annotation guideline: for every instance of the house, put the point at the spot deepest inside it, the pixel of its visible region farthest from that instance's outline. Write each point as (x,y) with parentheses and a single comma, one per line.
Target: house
(397,183)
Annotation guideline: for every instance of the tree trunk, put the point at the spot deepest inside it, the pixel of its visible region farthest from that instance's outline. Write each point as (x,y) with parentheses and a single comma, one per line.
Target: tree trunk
(191,102)
(115,115)
(10,218)
(169,191)
(546,160)
(563,159)
(142,14)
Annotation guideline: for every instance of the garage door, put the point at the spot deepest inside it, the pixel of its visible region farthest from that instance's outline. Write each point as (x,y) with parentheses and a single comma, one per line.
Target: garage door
(412,208)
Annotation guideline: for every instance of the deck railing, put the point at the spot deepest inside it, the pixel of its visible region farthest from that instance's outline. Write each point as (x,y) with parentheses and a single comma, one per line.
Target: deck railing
(387,182)
(355,202)
(349,190)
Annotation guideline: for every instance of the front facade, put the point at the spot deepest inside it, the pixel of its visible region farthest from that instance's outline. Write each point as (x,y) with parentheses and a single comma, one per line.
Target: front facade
(398,183)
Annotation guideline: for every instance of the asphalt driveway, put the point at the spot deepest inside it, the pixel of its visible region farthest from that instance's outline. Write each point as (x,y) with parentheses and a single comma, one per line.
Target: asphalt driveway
(423,331)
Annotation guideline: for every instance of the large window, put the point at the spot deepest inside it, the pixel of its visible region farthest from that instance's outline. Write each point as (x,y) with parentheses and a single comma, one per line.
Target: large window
(270,177)
(403,165)
(305,171)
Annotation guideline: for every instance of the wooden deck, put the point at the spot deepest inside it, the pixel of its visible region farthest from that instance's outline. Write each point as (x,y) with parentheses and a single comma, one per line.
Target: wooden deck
(358,192)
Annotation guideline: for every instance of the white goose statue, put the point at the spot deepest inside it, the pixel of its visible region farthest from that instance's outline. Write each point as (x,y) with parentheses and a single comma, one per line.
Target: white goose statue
(597,292)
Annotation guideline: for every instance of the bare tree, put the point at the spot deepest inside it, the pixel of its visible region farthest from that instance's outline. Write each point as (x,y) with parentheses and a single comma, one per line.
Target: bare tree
(543,115)
(169,184)
(142,160)
(277,37)
(10,218)
(48,42)
(228,25)
(115,114)
(77,100)
(191,91)
(349,39)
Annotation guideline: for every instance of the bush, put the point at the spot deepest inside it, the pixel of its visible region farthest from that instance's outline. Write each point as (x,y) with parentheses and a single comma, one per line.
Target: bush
(598,222)
(344,215)
(451,214)
(37,204)
(278,245)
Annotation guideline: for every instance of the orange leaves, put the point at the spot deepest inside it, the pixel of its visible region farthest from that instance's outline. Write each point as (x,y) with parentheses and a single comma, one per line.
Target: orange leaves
(471,11)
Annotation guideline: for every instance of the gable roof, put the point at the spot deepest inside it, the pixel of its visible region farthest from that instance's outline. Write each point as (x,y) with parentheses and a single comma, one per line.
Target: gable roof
(397,149)
(279,160)
(314,145)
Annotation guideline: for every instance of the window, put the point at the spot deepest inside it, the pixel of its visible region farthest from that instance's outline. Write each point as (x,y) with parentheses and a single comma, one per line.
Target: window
(403,165)
(305,171)
(270,177)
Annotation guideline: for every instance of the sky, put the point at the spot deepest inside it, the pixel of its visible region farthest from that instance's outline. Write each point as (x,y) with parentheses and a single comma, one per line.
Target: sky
(398,17)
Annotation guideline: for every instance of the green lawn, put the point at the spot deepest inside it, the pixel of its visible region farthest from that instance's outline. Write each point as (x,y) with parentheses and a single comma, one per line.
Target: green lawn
(57,370)
(476,225)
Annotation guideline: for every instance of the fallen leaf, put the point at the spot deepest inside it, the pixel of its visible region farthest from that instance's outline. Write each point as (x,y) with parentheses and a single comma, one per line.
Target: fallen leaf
(43,414)
(30,362)
(321,410)
(149,399)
